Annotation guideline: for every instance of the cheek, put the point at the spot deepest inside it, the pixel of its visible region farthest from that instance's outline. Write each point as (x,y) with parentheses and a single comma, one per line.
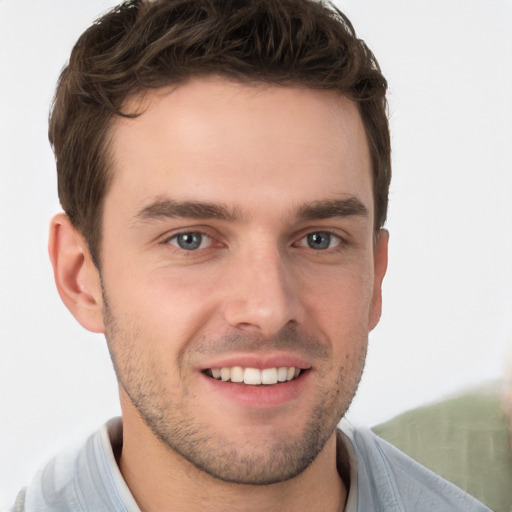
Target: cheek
(342,299)
(167,309)
(158,290)
(341,313)
(144,347)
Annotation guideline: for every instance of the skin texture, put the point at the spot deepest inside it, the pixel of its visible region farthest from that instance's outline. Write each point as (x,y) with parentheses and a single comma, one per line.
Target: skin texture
(253,172)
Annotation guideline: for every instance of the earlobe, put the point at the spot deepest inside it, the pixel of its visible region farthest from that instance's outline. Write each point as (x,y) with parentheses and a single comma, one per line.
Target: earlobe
(76,276)
(380,262)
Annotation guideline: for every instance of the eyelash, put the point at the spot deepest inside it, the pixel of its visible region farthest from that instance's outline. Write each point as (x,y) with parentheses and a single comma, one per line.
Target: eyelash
(190,233)
(301,242)
(332,237)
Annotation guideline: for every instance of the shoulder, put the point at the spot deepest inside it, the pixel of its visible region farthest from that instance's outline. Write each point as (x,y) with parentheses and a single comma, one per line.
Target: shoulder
(464,439)
(389,480)
(53,488)
(479,411)
(82,480)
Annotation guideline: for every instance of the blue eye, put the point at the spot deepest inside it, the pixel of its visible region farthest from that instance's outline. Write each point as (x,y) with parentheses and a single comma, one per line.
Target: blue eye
(190,241)
(320,240)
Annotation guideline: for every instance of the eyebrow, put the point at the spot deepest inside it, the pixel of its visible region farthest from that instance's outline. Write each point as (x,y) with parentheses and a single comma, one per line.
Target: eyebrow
(331,208)
(324,209)
(169,208)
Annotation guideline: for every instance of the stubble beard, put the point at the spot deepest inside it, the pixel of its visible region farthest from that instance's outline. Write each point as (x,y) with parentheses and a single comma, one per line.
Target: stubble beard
(281,458)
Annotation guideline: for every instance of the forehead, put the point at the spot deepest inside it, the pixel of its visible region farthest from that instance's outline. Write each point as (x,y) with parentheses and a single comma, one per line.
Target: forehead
(212,139)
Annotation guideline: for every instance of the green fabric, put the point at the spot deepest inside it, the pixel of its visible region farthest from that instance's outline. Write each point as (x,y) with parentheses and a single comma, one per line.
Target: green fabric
(464,440)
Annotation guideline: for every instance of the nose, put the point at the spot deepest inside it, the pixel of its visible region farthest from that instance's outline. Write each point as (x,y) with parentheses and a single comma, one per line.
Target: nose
(262,293)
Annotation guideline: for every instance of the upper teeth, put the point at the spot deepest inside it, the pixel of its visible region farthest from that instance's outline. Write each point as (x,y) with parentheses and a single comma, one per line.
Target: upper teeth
(255,376)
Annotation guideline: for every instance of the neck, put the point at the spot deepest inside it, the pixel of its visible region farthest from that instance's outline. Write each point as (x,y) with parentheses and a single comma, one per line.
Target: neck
(161,480)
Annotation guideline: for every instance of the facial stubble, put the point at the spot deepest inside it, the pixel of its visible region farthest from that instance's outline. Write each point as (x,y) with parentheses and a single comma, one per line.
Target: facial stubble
(280,458)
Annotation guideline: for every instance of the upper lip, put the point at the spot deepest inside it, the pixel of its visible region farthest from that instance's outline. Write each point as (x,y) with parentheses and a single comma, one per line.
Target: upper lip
(257,360)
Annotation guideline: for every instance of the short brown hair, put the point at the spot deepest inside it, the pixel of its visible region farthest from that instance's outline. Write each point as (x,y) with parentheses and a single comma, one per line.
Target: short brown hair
(145,44)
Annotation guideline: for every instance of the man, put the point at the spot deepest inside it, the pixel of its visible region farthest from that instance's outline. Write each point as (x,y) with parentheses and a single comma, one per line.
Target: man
(224,168)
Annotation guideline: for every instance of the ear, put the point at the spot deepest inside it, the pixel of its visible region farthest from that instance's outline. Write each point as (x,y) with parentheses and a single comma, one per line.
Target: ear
(380,264)
(76,276)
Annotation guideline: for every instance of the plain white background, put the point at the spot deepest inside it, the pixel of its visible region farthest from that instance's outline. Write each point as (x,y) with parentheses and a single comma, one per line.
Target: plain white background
(447,314)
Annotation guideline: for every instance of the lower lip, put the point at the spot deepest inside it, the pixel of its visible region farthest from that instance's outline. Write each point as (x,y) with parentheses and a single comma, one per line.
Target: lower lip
(262,396)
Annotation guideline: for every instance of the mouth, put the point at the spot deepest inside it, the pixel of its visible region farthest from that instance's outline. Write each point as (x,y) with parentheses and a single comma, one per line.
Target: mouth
(255,376)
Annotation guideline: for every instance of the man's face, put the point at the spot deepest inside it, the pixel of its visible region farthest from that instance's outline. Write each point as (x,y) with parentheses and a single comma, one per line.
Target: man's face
(238,239)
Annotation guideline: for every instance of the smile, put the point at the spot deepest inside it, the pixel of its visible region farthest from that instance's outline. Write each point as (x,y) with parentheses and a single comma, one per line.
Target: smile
(255,376)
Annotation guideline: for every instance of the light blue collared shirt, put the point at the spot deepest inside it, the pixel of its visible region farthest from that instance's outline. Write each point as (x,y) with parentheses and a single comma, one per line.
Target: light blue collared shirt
(383,479)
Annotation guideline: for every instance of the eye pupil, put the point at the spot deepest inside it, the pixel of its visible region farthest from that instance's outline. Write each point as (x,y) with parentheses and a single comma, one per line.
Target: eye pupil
(189,241)
(319,240)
